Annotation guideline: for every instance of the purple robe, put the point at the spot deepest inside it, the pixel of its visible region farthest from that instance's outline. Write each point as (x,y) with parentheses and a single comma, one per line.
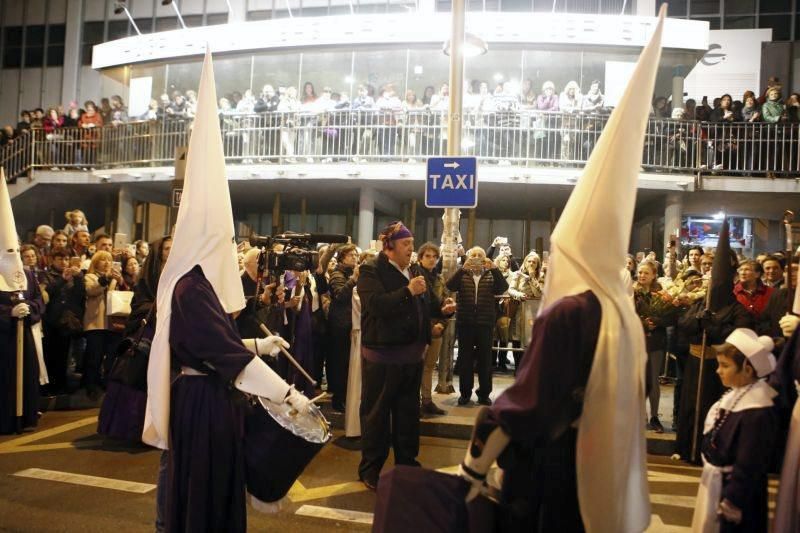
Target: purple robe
(538,410)
(8,360)
(302,348)
(206,479)
(745,442)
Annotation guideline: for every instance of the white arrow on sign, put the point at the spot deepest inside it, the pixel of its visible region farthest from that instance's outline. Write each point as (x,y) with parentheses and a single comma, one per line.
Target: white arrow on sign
(451,165)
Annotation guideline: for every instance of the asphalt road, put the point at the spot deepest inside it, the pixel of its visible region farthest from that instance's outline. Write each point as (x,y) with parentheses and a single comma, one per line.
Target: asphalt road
(39,489)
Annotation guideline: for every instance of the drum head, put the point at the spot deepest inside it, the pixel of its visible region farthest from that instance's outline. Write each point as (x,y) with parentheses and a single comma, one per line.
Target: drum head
(311,426)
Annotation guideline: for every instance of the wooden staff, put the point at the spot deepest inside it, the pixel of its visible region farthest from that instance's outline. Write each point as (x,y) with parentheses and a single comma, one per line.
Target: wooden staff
(289,357)
(20,361)
(788,217)
(697,420)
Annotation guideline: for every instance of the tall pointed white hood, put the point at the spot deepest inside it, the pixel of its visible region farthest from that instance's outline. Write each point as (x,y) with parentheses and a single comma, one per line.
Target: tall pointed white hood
(588,250)
(12,275)
(204,235)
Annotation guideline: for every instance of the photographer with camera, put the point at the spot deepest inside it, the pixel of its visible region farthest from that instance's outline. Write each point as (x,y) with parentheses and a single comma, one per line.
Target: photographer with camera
(261,308)
(477,284)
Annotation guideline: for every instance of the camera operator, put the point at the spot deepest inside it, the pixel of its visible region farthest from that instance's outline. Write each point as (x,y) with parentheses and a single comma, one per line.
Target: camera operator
(477,284)
(342,281)
(396,308)
(264,310)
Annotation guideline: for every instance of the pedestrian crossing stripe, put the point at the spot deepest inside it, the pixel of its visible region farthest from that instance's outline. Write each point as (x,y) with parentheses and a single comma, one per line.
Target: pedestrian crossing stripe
(89,481)
(342,515)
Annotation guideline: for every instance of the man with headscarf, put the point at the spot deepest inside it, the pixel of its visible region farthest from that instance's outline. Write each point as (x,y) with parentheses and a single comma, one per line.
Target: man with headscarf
(711,319)
(199,417)
(569,433)
(396,308)
(20,301)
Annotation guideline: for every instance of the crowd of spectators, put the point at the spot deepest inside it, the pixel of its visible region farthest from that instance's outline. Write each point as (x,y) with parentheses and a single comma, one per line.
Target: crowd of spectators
(506,121)
(497,297)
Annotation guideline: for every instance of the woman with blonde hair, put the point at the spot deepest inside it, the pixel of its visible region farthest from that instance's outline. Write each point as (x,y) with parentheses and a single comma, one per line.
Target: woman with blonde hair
(101,278)
(526,288)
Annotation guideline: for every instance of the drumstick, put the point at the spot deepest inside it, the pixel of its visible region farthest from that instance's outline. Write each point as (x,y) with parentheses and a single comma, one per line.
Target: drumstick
(318,398)
(289,357)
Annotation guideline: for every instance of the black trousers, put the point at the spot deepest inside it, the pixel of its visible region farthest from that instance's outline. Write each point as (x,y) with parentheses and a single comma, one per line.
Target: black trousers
(389,415)
(338,364)
(56,351)
(474,349)
(101,345)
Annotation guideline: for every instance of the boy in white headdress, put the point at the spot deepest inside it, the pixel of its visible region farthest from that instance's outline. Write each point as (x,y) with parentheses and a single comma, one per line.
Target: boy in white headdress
(15,282)
(738,439)
(199,417)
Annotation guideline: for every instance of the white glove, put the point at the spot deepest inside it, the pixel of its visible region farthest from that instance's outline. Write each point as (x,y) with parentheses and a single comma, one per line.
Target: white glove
(488,442)
(266,346)
(788,324)
(297,400)
(21,310)
(259,379)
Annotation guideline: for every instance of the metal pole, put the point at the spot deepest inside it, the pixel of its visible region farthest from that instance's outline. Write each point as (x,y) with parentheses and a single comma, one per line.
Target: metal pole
(177,12)
(452,215)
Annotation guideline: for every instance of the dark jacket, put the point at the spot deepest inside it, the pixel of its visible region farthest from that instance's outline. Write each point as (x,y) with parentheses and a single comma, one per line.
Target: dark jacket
(480,312)
(390,316)
(778,305)
(341,284)
(718,325)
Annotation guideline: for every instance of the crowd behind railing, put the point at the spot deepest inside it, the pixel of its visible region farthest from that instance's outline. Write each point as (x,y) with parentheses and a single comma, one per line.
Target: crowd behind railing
(752,136)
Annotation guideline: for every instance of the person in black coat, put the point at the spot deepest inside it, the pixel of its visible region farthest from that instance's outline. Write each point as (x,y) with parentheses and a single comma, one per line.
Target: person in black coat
(396,307)
(340,322)
(477,284)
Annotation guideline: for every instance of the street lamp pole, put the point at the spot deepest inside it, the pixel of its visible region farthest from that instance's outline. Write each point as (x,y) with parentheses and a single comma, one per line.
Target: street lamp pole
(452,216)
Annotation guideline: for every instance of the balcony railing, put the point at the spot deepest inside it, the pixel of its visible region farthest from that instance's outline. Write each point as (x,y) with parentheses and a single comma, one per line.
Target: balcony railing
(502,138)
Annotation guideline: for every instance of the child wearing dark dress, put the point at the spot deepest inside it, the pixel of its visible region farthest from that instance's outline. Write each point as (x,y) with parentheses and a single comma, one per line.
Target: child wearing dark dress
(738,437)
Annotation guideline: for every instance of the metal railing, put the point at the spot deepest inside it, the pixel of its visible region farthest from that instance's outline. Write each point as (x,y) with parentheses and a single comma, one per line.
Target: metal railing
(526,138)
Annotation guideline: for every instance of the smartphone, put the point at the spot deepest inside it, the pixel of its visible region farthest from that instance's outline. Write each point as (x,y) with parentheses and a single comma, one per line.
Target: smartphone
(502,240)
(117,265)
(75,262)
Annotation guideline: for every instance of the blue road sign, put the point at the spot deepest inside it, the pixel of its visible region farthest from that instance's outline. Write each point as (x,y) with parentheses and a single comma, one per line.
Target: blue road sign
(451,182)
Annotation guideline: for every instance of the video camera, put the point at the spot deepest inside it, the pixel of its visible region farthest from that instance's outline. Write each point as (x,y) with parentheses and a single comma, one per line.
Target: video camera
(298,250)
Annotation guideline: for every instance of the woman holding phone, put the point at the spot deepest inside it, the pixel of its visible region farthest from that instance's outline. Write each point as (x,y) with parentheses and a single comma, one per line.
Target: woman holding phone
(101,278)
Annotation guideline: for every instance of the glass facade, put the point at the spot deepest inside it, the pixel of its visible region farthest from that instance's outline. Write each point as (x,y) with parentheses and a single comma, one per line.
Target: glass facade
(780,15)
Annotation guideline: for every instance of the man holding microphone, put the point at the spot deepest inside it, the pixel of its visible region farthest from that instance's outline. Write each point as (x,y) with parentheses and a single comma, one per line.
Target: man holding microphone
(396,308)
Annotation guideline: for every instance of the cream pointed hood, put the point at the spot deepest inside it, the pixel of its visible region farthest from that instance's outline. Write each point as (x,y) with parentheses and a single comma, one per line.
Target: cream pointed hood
(12,275)
(588,252)
(204,235)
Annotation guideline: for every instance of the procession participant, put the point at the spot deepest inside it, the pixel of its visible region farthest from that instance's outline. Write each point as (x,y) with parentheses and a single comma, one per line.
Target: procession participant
(738,436)
(711,319)
(198,290)
(786,381)
(16,282)
(396,307)
(581,382)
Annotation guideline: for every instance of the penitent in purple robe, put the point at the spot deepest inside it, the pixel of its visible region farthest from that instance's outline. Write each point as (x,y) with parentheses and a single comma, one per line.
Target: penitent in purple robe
(8,360)
(538,412)
(206,480)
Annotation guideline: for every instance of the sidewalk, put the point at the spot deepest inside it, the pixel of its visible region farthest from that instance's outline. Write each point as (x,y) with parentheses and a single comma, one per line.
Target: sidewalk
(457,423)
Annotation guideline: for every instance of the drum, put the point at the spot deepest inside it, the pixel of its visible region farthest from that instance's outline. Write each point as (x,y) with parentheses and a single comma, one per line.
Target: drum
(278,445)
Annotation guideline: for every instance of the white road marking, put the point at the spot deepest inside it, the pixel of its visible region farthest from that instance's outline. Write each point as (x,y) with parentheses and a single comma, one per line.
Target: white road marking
(343,515)
(89,481)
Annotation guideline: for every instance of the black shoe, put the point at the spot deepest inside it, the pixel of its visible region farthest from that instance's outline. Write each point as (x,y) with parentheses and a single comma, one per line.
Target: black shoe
(484,401)
(655,423)
(371,484)
(430,408)
(463,400)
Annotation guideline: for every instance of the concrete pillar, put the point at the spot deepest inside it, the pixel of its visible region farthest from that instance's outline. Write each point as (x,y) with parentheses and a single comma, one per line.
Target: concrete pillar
(366,216)
(678,78)
(239,11)
(303,214)
(412,216)
(126,213)
(470,229)
(673,213)
(276,214)
(70,81)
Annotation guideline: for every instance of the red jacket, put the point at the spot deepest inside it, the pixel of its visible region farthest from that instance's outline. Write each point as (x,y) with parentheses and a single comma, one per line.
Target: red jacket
(756,301)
